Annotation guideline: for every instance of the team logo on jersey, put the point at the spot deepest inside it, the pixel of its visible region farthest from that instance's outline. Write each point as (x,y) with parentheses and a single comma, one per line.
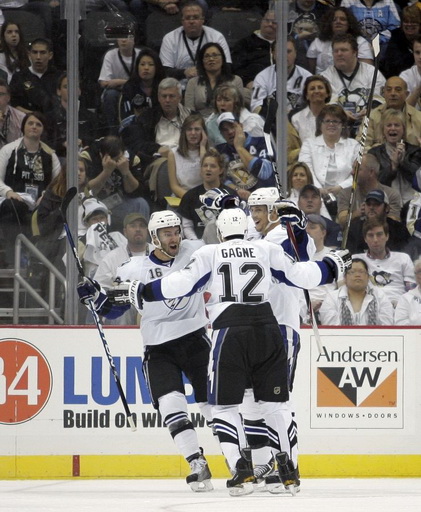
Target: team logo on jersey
(358,383)
(381,278)
(177,304)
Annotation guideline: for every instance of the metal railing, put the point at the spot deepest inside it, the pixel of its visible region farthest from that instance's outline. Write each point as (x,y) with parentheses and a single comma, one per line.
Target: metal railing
(20,282)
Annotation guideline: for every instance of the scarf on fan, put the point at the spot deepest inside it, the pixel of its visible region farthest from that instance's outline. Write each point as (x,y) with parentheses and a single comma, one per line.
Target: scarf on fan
(346,315)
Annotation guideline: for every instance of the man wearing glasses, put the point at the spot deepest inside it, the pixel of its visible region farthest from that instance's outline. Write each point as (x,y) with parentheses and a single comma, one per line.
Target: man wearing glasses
(180,47)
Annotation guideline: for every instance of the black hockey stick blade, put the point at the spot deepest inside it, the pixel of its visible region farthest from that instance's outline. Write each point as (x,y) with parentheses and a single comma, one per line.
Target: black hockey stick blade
(67,199)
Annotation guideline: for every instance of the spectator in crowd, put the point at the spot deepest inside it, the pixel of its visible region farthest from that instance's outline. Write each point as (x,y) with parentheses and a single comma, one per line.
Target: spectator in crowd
(10,118)
(171,7)
(157,130)
(351,80)
(87,124)
(316,93)
(180,47)
(399,160)
(356,302)
(141,90)
(253,54)
(390,270)
(310,201)
(303,23)
(212,71)
(248,168)
(367,180)
(376,205)
(228,98)
(336,21)
(408,308)
(395,94)
(331,153)
(398,55)
(27,167)
(412,75)
(38,7)
(293,144)
(99,240)
(194,216)
(265,82)
(117,67)
(375,18)
(13,51)
(316,228)
(136,232)
(115,179)
(298,176)
(184,162)
(34,88)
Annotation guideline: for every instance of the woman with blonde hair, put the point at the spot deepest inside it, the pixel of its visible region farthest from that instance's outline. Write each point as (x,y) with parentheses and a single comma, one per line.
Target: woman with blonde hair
(399,160)
(184,162)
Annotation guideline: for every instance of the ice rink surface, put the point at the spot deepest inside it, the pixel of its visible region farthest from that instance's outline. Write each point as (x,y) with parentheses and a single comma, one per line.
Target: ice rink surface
(317,495)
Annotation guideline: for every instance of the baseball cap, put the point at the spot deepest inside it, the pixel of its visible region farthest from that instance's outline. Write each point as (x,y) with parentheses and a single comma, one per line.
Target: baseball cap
(226,117)
(378,195)
(310,187)
(316,219)
(93,206)
(132,217)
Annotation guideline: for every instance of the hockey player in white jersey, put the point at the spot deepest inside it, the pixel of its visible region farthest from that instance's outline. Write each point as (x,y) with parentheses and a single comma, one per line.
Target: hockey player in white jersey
(269,215)
(246,340)
(174,337)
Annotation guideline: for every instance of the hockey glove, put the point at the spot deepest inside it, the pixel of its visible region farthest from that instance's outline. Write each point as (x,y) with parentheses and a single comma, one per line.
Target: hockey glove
(90,290)
(217,199)
(129,292)
(288,212)
(339,261)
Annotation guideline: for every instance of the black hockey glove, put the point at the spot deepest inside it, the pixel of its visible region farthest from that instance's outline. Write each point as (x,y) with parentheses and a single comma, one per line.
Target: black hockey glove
(129,292)
(339,261)
(289,212)
(90,290)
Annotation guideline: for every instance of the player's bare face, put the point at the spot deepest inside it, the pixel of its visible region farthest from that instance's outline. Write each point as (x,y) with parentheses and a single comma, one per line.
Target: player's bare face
(211,172)
(170,240)
(259,214)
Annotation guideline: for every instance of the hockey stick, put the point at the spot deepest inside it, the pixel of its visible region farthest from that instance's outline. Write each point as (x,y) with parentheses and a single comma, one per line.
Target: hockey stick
(70,194)
(270,117)
(376,50)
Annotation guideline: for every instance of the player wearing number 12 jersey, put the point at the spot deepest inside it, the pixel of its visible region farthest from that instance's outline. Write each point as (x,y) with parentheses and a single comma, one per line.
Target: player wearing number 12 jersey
(246,340)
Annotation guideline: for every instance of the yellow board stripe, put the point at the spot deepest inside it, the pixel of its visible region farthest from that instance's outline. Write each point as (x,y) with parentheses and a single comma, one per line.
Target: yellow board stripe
(174,466)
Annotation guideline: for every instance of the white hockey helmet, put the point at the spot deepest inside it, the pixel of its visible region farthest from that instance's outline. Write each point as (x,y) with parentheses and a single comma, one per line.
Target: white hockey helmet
(159,220)
(232,222)
(265,196)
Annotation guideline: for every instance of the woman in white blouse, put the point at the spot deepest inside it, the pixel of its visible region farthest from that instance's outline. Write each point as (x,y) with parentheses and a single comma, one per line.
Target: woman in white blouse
(356,302)
(331,154)
(408,308)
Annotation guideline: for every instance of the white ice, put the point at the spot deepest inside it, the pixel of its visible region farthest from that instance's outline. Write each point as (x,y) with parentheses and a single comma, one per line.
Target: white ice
(317,495)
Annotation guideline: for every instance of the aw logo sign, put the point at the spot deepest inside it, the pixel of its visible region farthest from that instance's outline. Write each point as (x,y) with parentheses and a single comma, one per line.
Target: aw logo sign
(25,381)
(357,382)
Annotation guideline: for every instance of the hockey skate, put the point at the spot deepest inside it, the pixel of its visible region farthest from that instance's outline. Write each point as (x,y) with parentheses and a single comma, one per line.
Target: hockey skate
(288,476)
(261,473)
(199,478)
(242,481)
